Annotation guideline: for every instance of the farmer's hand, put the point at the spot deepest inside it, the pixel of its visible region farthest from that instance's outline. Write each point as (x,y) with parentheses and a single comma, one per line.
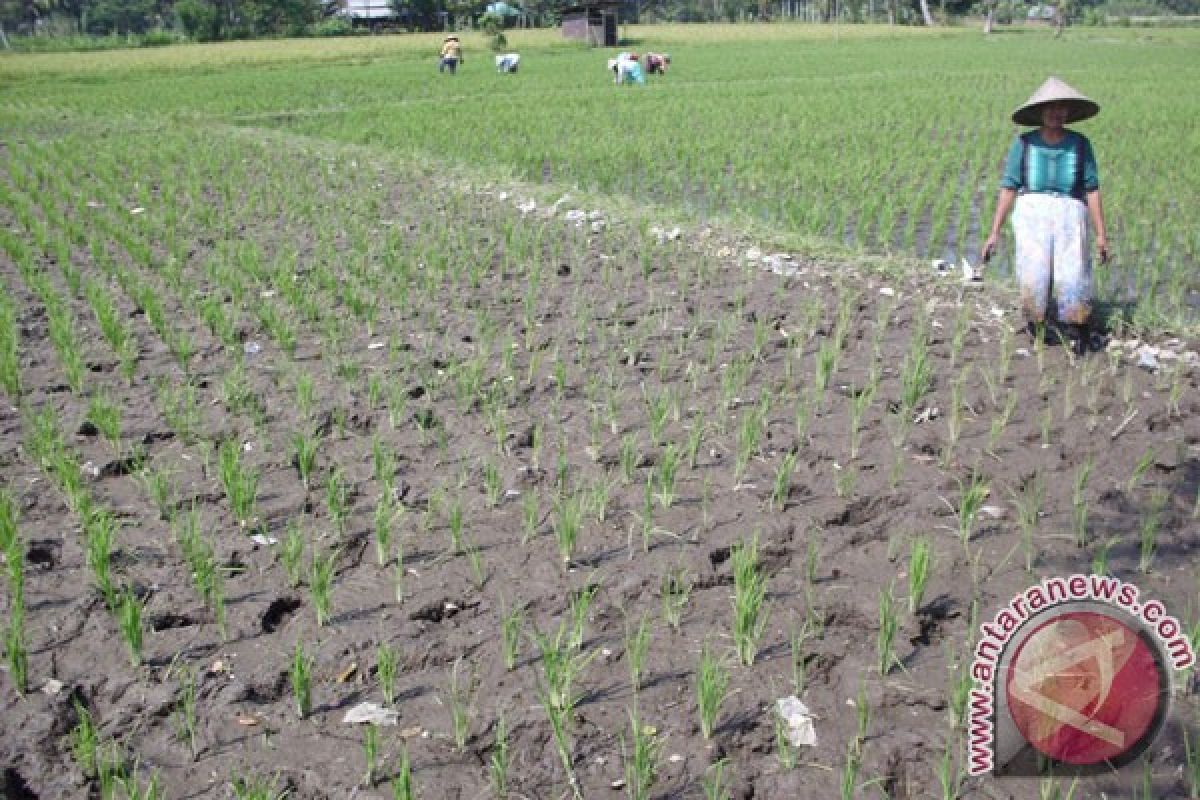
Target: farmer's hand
(989,247)
(1102,248)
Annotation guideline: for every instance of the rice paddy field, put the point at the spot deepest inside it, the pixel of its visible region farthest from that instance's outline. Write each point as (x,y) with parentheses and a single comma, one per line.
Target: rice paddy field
(571,425)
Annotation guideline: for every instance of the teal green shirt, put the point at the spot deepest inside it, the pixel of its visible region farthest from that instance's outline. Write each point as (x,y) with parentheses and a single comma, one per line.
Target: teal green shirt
(1050,167)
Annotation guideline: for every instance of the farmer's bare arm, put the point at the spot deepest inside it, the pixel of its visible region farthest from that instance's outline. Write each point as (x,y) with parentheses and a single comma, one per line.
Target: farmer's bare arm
(1096,211)
(1003,206)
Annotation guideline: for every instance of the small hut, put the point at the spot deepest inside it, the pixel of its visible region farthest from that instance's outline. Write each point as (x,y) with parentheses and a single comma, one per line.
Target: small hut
(594,22)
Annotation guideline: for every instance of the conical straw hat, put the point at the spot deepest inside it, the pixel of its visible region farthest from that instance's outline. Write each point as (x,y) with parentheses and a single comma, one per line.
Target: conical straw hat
(1054,90)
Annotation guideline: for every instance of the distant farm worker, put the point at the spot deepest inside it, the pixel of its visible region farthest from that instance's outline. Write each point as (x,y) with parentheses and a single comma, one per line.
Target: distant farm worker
(627,69)
(451,55)
(1052,186)
(657,63)
(507,62)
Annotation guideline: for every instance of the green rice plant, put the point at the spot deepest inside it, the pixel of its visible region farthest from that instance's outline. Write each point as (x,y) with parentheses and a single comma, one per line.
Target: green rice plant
(16,654)
(256,788)
(561,665)
(637,644)
(805,404)
(848,786)
(596,499)
(845,479)
(385,515)
(712,686)
(1191,753)
(920,565)
(301,680)
(8,521)
(386,665)
(110,769)
(568,520)
(750,431)
(160,485)
(1079,502)
(304,456)
(580,607)
(668,466)
(320,585)
(1100,557)
(1140,468)
(954,418)
(1028,501)
(826,365)
(676,591)
(10,360)
(84,740)
(240,483)
(530,514)
(105,416)
(970,500)
(185,711)
(862,712)
(476,564)
(750,611)
(958,694)
(885,647)
(782,486)
(129,622)
(460,694)
(1148,529)
(1045,422)
(100,530)
(292,553)
(493,485)
(500,760)
(713,781)
(916,373)
(512,623)
(559,724)
(403,787)
(628,456)
(641,765)
(455,522)
(785,751)
(337,499)
(949,774)
(370,753)
(694,440)
(658,408)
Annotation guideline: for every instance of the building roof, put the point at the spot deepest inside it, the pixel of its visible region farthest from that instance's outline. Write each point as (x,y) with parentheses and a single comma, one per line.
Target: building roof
(591,5)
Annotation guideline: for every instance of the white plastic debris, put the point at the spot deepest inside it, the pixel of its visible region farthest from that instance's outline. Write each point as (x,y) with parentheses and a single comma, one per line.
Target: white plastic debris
(138,210)
(575,215)
(941,264)
(376,345)
(251,348)
(528,207)
(263,540)
(799,720)
(887,291)
(371,714)
(52,687)
(1148,358)
(971,274)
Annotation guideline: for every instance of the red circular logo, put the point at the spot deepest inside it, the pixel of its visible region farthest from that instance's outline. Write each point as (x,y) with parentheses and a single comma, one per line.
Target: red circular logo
(1084,688)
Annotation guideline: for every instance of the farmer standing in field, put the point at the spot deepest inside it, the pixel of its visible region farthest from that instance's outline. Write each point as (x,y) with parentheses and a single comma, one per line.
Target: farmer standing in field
(451,55)
(1052,186)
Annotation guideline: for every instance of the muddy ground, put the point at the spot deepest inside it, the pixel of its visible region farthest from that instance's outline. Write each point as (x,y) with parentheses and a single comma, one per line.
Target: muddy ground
(620,319)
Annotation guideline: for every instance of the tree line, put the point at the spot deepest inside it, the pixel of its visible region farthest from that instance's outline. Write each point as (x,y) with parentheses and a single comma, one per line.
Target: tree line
(211,20)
